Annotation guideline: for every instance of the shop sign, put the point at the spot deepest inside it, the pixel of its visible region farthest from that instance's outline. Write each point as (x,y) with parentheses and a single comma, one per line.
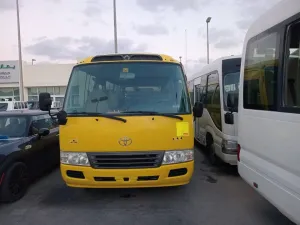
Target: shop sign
(9,72)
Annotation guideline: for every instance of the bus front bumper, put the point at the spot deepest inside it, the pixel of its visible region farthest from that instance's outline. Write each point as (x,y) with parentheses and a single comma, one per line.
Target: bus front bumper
(163,176)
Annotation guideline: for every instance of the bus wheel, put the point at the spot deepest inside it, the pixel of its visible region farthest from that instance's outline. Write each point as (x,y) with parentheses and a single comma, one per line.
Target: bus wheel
(213,158)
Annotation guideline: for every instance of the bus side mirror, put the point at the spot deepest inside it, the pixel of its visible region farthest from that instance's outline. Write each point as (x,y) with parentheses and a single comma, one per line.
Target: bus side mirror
(198,109)
(45,101)
(62,117)
(229,118)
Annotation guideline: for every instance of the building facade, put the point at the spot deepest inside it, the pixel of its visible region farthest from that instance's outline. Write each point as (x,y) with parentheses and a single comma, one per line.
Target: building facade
(52,78)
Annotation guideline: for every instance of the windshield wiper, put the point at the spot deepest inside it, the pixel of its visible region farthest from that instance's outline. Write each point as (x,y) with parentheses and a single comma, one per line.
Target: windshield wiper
(98,114)
(155,114)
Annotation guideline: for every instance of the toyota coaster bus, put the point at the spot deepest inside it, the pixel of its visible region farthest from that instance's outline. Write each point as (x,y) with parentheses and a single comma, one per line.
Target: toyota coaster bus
(126,122)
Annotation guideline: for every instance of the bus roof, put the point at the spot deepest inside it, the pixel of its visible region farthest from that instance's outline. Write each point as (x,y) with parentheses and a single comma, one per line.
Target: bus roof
(128,57)
(280,12)
(215,65)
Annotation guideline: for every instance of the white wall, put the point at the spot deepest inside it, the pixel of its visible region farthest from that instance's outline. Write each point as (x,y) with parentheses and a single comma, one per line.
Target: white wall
(46,75)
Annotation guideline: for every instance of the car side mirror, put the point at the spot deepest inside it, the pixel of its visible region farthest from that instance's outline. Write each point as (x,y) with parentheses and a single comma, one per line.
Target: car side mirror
(198,109)
(45,101)
(44,132)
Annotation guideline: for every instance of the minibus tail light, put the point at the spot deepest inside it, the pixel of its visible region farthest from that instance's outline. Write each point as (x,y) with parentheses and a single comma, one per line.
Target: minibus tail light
(238,152)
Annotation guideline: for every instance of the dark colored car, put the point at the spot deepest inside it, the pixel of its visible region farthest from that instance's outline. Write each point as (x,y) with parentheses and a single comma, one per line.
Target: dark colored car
(29,147)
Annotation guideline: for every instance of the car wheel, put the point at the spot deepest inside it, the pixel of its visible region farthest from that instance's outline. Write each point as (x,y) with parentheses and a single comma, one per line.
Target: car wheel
(15,183)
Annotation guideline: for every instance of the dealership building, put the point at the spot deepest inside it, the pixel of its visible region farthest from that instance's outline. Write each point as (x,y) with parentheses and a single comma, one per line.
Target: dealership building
(52,78)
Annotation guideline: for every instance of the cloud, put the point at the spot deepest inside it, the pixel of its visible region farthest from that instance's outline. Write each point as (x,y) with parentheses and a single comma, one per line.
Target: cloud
(151,29)
(7,5)
(176,5)
(227,43)
(251,10)
(221,38)
(93,8)
(195,66)
(73,48)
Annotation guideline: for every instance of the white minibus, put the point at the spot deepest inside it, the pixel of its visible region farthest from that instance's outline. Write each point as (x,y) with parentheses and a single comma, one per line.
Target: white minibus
(215,85)
(269,108)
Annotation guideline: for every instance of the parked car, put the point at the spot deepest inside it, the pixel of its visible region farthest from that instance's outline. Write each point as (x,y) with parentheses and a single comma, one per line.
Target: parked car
(29,146)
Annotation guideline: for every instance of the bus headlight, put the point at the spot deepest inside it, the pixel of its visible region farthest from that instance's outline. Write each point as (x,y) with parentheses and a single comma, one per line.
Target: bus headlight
(74,158)
(179,156)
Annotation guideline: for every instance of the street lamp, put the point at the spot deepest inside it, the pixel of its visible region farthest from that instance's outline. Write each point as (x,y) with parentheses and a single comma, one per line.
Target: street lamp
(207,22)
(21,85)
(115,27)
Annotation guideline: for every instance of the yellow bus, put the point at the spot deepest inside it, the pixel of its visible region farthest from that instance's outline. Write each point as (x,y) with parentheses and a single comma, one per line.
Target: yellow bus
(126,122)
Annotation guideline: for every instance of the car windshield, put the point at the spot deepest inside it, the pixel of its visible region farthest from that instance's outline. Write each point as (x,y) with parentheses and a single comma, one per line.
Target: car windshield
(12,126)
(231,80)
(116,88)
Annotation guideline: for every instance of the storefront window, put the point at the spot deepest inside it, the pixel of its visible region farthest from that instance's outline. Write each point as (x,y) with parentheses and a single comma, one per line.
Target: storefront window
(33,92)
(9,93)
(56,90)
(6,92)
(62,90)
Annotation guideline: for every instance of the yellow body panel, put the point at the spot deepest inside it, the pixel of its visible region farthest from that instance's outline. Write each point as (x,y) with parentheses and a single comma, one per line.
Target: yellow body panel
(148,133)
(165,58)
(132,174)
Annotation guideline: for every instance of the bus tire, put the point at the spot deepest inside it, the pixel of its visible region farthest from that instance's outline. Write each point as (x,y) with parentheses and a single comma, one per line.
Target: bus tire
(15,183)
(213,158)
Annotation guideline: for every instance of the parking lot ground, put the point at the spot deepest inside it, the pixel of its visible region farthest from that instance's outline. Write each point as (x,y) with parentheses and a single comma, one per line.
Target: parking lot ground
(216,195)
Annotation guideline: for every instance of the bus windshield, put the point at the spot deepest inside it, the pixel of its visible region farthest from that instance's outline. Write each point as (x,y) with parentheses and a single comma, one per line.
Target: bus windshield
(231,79)
(116,88)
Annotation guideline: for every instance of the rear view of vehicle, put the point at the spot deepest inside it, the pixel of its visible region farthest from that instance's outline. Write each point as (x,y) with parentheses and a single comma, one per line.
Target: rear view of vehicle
(269,108)
(216,88)
(126,122)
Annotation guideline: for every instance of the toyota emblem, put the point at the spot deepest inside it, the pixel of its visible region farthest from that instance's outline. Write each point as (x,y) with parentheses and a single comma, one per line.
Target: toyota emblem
(125,141)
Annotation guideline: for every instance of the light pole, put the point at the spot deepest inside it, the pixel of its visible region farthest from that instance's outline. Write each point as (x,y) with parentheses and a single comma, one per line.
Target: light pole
(21,85)
(185,49)
(207,22)
(115,27)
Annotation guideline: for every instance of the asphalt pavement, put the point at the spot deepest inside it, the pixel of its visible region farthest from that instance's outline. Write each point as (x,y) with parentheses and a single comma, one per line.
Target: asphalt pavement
(216,195)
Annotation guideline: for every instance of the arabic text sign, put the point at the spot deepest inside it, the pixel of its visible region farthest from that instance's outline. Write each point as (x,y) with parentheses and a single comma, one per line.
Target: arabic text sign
(9,72)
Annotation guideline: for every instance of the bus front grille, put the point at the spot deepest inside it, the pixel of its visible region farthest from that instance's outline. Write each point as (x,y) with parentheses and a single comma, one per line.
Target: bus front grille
(127,160)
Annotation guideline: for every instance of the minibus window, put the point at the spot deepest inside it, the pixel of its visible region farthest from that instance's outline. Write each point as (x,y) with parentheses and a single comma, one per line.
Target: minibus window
(231,79)
(260,74)
(292,64)
(116,88)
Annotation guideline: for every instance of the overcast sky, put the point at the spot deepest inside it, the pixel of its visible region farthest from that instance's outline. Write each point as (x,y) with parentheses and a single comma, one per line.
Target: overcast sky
(63,31)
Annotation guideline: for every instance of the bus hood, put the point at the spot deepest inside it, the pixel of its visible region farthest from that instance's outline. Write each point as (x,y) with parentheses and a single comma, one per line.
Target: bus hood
(139,133)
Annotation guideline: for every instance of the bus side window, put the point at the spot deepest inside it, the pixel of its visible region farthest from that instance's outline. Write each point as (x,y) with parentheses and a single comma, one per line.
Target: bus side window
(260,74)
(292,67)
